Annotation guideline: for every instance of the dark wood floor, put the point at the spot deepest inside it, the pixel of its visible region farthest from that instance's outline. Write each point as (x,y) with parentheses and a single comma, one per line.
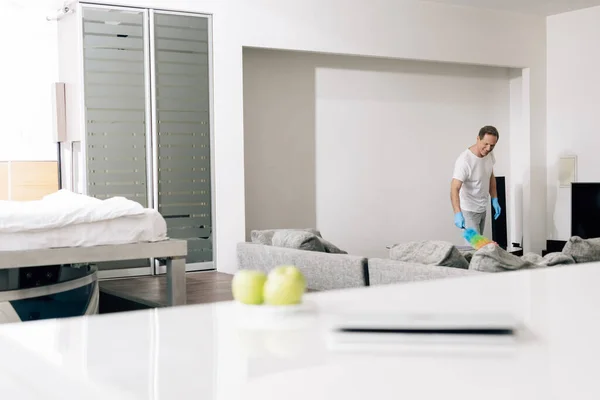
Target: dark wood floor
(151,291)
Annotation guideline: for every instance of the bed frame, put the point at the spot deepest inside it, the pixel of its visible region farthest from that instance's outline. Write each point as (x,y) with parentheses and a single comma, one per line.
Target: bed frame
(173,251)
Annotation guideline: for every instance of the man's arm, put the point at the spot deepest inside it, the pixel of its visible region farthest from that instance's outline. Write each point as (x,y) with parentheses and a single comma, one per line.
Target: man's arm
(494,195)
(493,191)
(454,194)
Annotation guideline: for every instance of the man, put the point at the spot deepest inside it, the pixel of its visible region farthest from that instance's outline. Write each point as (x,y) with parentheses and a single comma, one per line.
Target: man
(473,181)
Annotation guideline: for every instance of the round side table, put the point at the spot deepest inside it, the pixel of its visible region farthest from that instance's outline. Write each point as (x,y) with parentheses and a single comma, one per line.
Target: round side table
(55,291)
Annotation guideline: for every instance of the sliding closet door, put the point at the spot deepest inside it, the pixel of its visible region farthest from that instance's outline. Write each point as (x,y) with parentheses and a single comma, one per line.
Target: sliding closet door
(117,106)
(115,101)
(180,46)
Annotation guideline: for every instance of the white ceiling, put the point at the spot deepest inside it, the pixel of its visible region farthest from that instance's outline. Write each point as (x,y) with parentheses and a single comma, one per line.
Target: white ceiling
(539,7)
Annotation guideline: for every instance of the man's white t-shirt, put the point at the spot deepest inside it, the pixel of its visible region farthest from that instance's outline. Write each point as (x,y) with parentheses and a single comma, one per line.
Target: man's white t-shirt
(474,173)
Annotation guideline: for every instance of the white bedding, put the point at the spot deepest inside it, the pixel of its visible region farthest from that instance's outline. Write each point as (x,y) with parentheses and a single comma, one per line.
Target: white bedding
(61,209)
(149,226)
(67,219)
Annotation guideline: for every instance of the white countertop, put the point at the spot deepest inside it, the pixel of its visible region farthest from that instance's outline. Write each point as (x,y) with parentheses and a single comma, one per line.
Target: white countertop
(216,351)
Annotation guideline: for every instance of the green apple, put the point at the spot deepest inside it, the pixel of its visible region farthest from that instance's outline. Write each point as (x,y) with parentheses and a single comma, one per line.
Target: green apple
(247,286)
(285,286)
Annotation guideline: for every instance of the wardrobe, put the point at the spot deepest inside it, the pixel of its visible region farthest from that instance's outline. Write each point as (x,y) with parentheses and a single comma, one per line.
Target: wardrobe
(139,111)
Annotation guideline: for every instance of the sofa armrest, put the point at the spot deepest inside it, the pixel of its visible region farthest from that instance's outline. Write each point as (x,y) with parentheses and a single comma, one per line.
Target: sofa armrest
(323,271)
(386,271)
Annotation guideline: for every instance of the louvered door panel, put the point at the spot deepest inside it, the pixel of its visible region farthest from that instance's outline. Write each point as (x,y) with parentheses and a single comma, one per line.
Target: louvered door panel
(115,101)
(183,130)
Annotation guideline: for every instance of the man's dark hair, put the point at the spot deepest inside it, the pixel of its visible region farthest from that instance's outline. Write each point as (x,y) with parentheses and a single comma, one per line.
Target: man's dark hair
(488,130)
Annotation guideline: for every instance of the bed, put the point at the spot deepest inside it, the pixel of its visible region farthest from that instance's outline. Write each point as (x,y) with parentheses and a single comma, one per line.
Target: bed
(69,228)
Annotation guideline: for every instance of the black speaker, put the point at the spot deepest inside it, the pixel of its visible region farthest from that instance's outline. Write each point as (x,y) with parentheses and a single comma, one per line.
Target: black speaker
(499,231)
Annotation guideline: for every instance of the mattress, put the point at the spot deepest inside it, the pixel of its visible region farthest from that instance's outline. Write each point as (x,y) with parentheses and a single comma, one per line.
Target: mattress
(63,208)
(145,226)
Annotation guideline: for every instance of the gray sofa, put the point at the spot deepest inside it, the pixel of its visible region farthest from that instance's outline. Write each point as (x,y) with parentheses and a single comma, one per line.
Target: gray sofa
(325,271)
(326,267)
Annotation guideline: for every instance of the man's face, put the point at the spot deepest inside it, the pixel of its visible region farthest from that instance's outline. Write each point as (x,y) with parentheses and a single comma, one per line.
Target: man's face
(487,144)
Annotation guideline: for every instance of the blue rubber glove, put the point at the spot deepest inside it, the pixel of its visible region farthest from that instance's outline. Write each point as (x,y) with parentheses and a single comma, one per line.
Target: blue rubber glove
(497,208)
(459,220)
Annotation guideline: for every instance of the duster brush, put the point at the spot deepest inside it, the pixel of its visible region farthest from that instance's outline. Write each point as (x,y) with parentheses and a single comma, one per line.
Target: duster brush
(475,239)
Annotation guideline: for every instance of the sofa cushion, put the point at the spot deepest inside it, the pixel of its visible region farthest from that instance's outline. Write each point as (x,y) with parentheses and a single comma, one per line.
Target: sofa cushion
(322,271)
(301,240)
(430,252)
(549,260)
(385,271)
(492,258)
(583,250)
(265,236)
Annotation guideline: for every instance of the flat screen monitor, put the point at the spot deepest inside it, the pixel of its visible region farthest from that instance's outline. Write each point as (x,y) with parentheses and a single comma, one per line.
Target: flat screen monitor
(585,209)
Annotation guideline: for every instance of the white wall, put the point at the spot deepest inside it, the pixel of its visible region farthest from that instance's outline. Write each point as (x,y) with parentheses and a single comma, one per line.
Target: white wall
(377,139)
(382,28)
(573,108)
(388,134)
(28,48)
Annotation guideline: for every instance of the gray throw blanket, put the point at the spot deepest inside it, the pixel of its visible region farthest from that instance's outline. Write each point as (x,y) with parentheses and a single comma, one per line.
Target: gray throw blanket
(300,240)
(265,236)
(492,258)
(583,250)
(429,252)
